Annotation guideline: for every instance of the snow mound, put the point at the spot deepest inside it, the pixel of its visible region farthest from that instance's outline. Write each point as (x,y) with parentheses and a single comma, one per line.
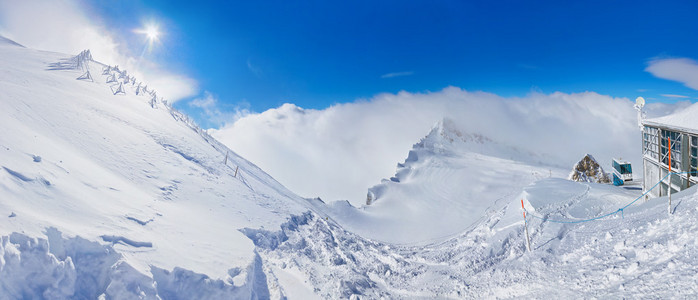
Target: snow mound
(588,170)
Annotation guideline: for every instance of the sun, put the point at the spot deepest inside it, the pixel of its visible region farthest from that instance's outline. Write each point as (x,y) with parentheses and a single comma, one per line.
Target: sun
(152,32)
(151,36)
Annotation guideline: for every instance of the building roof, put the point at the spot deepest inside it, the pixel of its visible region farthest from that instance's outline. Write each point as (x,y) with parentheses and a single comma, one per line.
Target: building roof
(685,120)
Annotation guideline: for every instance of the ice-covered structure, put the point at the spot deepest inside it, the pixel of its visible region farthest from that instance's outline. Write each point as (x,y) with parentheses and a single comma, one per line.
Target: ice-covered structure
(681,129)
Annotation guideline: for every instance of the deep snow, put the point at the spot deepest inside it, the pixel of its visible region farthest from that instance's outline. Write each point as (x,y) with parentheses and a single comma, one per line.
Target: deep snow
(126,173)
(120,197)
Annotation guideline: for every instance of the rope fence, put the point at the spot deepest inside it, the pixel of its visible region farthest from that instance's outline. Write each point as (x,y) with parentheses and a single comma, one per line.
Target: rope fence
(620,210)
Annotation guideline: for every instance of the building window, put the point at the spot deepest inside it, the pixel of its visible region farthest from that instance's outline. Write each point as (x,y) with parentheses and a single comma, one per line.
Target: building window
(650,142)
(675,148)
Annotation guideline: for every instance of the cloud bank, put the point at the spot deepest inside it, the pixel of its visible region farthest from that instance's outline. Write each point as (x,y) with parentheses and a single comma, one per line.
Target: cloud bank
(66,26)
(339,152)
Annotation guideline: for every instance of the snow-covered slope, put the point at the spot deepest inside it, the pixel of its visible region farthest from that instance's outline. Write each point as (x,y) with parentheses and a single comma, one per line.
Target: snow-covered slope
(449,180)
(123,188)
(119,197)
(637,253)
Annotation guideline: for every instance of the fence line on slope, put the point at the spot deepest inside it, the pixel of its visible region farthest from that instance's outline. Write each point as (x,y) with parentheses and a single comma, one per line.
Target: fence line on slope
(620,210)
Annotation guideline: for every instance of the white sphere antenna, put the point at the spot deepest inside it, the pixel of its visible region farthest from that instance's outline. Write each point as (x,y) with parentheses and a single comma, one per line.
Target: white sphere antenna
(639,103)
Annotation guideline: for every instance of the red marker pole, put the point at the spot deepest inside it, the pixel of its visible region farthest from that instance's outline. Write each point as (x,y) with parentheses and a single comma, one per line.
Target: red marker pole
(669,185)
(528,240)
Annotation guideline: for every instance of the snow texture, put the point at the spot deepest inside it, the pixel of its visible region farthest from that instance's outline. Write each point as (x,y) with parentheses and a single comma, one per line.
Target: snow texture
(144,188)
(106,197)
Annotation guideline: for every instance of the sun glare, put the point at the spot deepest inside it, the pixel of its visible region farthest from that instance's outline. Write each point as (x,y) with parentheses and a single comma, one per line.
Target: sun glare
(152,32)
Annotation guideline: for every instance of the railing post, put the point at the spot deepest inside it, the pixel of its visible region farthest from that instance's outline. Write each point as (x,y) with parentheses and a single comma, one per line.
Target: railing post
(669,185)
(528,240)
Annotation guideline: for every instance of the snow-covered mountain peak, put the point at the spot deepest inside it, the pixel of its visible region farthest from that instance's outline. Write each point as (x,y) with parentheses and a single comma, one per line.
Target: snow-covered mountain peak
(446,135)
(449,180)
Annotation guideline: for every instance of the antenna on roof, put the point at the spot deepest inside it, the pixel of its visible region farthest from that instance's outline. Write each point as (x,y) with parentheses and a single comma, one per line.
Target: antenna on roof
(639,104)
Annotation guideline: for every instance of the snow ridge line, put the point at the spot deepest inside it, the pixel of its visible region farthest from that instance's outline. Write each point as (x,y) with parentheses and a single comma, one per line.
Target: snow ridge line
(620,210)
(81,62)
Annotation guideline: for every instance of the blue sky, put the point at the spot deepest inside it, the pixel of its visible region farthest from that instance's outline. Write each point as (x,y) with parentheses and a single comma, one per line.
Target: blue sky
(258,55)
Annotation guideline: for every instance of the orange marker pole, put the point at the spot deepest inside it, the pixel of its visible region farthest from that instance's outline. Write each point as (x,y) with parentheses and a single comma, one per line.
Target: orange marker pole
(528,240)
(669,185)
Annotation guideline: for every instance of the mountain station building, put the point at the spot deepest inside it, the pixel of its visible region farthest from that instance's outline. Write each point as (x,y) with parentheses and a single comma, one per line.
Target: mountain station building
(682,129)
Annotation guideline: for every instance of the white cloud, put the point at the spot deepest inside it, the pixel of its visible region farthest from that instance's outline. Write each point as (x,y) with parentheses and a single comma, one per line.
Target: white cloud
(674,96)
(66,26)
(210,106)
(397,74)
(207,103)
(684,70)
(339,152)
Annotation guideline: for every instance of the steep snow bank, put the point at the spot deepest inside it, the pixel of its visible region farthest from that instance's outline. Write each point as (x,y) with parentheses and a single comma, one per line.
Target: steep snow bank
(124,171)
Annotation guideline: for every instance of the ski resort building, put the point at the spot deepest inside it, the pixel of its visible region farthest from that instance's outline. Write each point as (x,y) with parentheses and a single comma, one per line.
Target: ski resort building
(671,138)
